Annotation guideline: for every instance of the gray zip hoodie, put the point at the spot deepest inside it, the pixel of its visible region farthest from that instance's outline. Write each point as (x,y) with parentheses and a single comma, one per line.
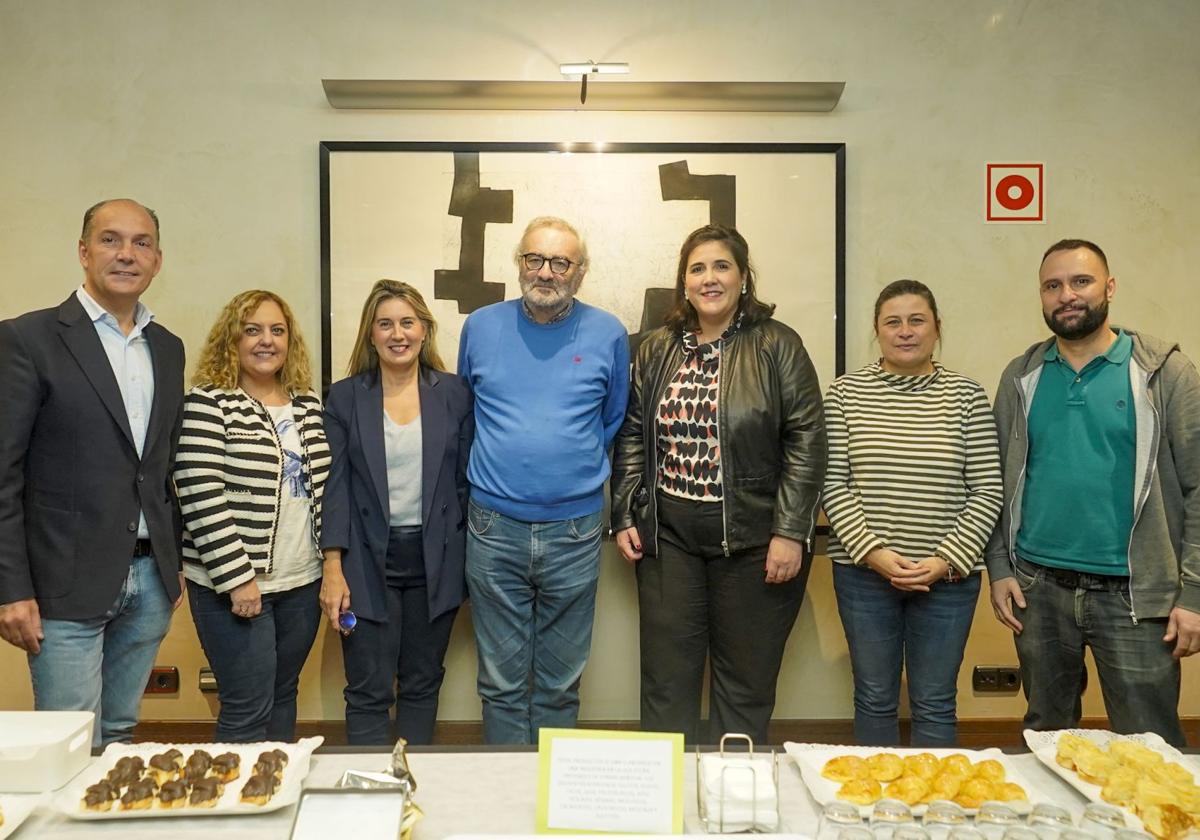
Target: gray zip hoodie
(1164,546)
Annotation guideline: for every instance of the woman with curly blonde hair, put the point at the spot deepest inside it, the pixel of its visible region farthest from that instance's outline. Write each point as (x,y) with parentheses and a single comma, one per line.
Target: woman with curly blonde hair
(250,474)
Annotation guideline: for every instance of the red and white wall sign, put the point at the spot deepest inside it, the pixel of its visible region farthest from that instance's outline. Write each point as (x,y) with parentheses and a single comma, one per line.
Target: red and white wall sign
(1016,192)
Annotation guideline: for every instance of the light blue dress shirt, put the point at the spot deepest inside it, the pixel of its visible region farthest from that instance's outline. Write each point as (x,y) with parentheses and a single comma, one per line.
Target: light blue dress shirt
(133,367)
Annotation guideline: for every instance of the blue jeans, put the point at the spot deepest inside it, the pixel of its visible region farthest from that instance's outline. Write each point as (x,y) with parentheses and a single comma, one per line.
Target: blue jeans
(398,662)
(533,596)
(101,665)
(257,661)
(1066,613)
(922,632)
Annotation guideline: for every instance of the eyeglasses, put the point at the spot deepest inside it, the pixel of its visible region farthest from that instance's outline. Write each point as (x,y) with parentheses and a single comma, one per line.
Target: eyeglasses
(558,265)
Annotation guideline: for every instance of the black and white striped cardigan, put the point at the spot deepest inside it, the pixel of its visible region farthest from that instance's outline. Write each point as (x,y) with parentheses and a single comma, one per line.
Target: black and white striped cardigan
(229,477)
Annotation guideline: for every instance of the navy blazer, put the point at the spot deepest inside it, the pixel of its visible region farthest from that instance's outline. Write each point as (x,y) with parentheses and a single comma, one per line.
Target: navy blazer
(71,481)
(355,511)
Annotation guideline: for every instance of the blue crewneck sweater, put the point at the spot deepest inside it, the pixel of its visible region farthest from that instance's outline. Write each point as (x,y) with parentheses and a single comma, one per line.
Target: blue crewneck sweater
(549,399)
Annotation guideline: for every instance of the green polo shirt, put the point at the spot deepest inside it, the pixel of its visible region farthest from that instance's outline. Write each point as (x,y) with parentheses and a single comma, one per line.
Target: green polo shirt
(1077,506)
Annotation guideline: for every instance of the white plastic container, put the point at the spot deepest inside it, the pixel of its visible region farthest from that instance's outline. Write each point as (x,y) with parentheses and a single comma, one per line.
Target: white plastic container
(42,751)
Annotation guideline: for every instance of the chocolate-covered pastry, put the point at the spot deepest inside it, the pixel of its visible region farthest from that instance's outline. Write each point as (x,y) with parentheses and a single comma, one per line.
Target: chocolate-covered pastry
(227,766)
(127,770)
(173,794)
(206,792)
(197,766)
(140,795)
(259,788)
(163,767)
(269,765)
(100,796)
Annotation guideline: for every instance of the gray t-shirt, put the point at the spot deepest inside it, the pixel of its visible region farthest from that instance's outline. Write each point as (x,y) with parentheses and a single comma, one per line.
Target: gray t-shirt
(403,447)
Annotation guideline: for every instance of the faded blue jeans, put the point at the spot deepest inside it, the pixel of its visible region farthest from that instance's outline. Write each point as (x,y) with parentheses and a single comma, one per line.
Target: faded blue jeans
(923,632)
(1067,612)
(533,596)
(101,665)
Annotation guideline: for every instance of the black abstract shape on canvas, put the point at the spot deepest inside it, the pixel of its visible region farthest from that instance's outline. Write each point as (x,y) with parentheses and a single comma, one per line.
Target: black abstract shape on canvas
(477,208)
(720,191)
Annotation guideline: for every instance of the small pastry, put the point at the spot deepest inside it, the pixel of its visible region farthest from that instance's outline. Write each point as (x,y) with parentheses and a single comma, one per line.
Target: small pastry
(958,763)
(176,756)
(1010,792)
(206,792)
(860,791)
(128,769)
(173,794)
(259,788)
(226,766)
(923,764)
(975,791)
(945,785)
(197,766)
(908,789)
(100,796)
(140,795)
(989,769)
(846,768)
(885,767)
(269,764)
(163,768)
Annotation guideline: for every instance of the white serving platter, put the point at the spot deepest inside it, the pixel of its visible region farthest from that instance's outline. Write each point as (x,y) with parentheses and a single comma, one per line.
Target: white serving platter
(67,801)
(16,808)
(811,758)
(1044,745)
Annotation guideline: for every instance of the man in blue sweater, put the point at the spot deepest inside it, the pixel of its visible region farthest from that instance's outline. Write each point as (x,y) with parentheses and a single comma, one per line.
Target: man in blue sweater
(550,376)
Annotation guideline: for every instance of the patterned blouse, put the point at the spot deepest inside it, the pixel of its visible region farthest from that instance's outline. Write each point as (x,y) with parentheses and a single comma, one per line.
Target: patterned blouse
(689,445)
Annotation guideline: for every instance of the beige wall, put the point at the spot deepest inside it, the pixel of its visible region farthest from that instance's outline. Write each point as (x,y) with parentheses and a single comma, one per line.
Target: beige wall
(211,113)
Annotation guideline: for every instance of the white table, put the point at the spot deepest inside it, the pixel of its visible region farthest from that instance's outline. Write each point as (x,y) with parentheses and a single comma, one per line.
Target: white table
(470,793)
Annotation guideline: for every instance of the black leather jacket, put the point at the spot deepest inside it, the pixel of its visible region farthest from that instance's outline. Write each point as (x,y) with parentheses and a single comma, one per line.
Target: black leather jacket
(772,437)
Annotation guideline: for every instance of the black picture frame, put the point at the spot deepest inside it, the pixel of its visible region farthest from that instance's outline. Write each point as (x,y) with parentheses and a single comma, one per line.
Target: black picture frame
(480,205)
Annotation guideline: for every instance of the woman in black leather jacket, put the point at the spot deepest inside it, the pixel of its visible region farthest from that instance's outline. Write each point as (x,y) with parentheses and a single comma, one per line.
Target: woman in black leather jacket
(716,485)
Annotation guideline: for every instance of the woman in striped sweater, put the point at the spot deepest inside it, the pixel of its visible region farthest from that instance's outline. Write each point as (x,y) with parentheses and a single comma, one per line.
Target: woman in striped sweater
(250,471)
(912,491)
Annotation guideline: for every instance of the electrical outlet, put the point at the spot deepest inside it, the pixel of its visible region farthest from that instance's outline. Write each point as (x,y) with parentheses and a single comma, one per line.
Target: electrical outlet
(164,679)
(995,678)
(208,680)
(985,678)
(1008,679)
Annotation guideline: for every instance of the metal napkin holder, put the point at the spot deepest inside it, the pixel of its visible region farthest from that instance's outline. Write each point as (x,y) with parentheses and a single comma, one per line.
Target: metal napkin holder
(716,824)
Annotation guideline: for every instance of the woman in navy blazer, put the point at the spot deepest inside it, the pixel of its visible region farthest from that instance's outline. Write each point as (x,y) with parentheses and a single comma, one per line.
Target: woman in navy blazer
(394,550)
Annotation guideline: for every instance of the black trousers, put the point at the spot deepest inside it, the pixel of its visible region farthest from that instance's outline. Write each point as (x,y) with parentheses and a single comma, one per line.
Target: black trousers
(696,602)
(397,662)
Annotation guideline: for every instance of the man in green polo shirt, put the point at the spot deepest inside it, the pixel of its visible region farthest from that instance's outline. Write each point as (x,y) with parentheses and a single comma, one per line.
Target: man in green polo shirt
(1100,437)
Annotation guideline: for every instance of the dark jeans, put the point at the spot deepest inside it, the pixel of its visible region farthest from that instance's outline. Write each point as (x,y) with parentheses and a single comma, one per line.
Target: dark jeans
(399,661)
(1066,613)
(257,661)
(924,633)
(694,601)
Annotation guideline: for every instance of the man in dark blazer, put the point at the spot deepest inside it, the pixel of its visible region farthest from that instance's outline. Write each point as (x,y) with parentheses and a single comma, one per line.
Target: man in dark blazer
(91,396)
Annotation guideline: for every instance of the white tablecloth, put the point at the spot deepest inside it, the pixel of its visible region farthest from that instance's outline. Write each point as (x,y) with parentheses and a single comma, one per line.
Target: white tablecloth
(471,793)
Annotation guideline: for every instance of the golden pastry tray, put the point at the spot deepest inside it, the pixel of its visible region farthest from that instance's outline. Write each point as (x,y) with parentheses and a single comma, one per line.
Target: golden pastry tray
(811,758)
